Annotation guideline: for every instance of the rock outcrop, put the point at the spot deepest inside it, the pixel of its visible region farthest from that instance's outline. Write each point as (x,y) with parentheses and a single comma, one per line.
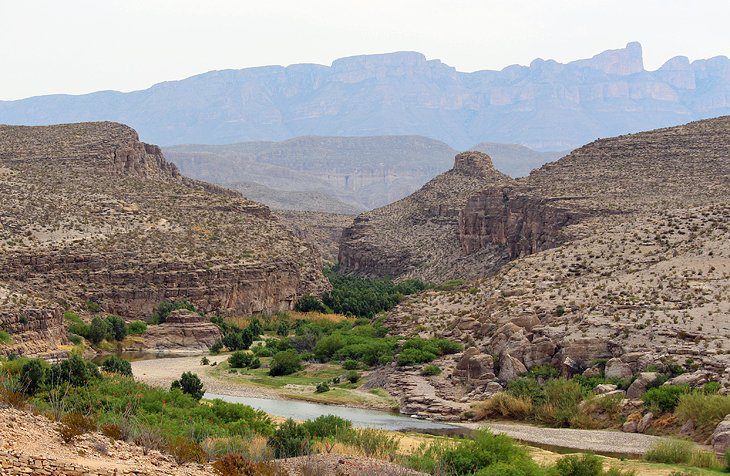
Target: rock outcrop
(637,277)
(183,332)
(92,215)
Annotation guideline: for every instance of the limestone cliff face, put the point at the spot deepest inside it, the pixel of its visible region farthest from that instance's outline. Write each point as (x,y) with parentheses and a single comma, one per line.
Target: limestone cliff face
(90,213)
(520,223)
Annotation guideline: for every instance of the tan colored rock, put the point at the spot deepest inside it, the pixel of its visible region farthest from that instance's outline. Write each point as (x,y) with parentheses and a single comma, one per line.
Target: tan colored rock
(615,368)
(639,386)
(510,368)
(720,438)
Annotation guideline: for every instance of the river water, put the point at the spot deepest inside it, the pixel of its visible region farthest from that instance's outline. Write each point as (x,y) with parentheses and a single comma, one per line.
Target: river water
(359,417)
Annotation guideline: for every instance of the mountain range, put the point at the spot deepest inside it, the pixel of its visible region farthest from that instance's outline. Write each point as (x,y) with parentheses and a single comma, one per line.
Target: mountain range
(546,105)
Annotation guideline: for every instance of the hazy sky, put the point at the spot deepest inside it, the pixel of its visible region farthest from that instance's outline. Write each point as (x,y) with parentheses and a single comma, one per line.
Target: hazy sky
(78,46)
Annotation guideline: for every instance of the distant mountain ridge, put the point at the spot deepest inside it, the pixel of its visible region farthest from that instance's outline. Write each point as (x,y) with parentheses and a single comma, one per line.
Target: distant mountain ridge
(545,106)
(336,174)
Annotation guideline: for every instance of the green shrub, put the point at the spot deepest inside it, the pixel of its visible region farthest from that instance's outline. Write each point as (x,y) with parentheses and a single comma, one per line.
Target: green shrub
(32,375)
(374,443)
(322,387)
(412,356)
(523,467)
(137,328)
(238,339)
(310,303)
(350,364)
(186,450)
(242,360)
(527,387)
(117,365)
(99,329)
(216,347)
(484,450)
(190,384)
(583,465)
(282,329)
(118,327)
(327,426)
(74,371)
(545,371)
(159,315)
(706,411)
(92,306)
(561,401)
(503,405)
(670,451)
(284,363)
(431,370)
(665,398)
(204,361)
(290,440)
(74,339)
(352,376)
(76,325)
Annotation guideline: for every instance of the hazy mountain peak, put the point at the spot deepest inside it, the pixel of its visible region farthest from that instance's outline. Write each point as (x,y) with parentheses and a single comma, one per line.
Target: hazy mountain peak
(623,61)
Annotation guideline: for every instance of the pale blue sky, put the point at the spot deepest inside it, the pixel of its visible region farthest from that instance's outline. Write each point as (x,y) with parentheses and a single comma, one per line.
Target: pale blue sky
(78,46)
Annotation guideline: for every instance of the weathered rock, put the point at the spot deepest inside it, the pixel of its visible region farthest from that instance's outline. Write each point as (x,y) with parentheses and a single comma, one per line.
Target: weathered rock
(615,368)
(644,423)
(510,368)
(474,365)
(183,332)
(694,379)
(639,386)
(721,437)
(591,372)
(604,388)
(629,426)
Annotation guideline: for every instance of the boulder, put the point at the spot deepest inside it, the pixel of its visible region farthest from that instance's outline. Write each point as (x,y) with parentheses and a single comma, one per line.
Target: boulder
(694,379)
(721,437)
(604,388)
(183,332)
(475,365)
(644,423)
(594,371)
(642,382)
(629,426)
(616,368)
(510,368)
(540,352)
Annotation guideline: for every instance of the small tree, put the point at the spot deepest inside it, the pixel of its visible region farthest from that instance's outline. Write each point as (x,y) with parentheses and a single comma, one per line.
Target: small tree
(31,376)
(310,303)
(118,326)
(99,330)
(189,383)
(284,363)
(117,365)
(290,440)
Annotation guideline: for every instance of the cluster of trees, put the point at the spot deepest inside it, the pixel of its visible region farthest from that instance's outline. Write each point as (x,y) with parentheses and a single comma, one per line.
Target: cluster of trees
(360,297)
(235,337)
(109,328)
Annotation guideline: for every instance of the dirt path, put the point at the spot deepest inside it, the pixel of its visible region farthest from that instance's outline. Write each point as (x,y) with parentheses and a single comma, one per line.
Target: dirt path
(599,441)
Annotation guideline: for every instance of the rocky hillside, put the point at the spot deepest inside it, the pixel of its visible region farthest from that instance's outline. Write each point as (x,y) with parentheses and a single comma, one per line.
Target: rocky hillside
(545,105)
(516,160)
(92,218)
(619,251)
(418,235)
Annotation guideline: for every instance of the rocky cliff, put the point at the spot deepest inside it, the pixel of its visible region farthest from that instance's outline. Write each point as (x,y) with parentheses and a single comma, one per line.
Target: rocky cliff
(92,215)
(620,250)
(418,235)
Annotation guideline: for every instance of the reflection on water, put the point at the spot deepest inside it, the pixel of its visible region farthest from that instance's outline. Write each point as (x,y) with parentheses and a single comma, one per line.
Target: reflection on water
(359,417)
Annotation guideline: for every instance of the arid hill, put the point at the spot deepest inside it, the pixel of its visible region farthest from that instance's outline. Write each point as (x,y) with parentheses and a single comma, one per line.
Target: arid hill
(93,218)
(619,251)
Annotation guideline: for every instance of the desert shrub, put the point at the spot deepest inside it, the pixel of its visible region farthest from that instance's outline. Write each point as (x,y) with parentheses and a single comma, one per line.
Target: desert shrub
(429,370)
(414,357)
(75,424)
(561,401)
(350,364)
(290,439)
(190,384)
(419,351)
(427,457)
(284,363)
(526,387)
(159,315)
(136,328)
(12,391)
(118,327)
(545,371)
(150,439)
(117,365)
(32,375)
(322,387)
(373,443)
(186,450)
(670,451)
(5,338)
(205,361)
(99,329)
(704,459)
(706,411)
(73,370)
(352,376)
(240,360)
(216,347)
(711,388)
(282,329)
(76,325)
(74,339)
(235,464)
(309,303)
(484,450)
(327,426)
(521,467)
(112,430)
(503,405)
(583,465)
(238,339)
(664,398)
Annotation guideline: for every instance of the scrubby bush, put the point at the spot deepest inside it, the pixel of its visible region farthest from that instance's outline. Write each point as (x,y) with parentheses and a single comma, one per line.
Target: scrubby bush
(74,371)
(117,365)
(327,426)
(322,387)
(486,449)
(75,424)
(561,401)
(290,439)
(5,338)
(76,325)
(670,451)
(118,328)
(309,303)
(664,398)
(216,347)
(190,384)
(284,363)
(352,376)
(373,443)
(241,360)
(583,465)
(706,411)
(430,370)
(235,464)
(204,361)
(503,405)
(350,364)
(99,330)
(136,328)
(528,388)
(186,450)
(32,375)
